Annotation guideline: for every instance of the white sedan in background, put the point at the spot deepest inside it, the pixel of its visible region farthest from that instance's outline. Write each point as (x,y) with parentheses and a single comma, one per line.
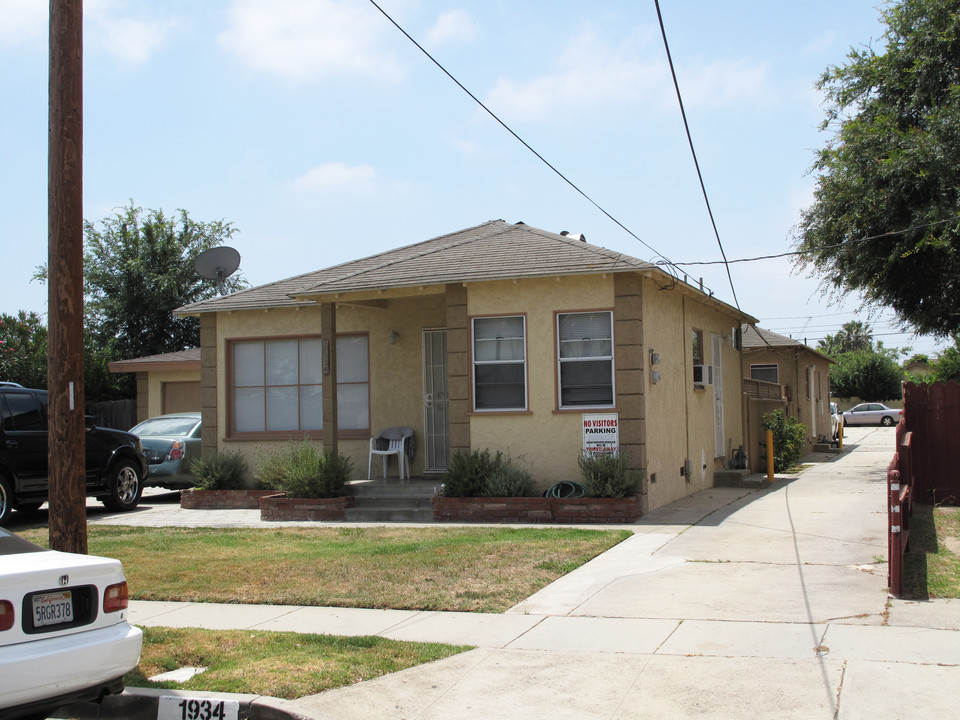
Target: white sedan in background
(64,635)
(872,414)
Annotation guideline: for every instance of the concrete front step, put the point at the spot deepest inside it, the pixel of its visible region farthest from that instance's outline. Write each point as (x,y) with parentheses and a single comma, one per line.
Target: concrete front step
(738,478)
(392,500)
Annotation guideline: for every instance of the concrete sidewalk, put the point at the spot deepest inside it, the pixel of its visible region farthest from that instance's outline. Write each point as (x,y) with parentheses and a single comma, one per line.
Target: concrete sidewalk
(729,603)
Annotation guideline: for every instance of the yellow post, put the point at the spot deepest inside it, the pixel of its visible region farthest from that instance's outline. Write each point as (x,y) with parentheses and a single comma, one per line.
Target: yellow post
(770,455)
(840,434)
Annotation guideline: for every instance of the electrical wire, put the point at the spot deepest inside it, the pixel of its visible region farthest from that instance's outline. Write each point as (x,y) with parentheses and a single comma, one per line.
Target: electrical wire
(523,142)
(825,247)
(693,152)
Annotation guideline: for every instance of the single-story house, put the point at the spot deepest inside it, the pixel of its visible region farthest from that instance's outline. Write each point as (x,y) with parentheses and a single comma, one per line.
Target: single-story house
(501,337)
(803,372)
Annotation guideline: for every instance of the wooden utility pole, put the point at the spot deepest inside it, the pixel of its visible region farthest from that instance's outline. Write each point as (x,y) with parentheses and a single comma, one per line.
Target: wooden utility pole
(67,453)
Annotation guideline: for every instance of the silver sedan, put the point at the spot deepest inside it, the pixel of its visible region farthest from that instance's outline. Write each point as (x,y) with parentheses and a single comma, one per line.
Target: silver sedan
(872,414)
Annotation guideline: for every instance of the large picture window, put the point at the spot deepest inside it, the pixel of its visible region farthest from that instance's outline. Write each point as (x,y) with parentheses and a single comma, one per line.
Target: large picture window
(277,385)
(585,356)
(499,363)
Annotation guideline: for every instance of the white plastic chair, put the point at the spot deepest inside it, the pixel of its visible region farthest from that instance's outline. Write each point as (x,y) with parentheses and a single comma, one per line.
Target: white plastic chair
(392,441)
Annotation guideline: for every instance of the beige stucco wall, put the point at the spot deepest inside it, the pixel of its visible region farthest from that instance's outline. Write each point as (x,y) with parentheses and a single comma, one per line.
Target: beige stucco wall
(547,441)
(673,436)
(810,403)
(396,371)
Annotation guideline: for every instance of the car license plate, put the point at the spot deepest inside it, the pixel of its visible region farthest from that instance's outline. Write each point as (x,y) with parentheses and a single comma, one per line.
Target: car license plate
(52,608)
(175,707)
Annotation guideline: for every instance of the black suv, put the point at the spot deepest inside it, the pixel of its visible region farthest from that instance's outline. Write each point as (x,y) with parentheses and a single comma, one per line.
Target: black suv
(116,465)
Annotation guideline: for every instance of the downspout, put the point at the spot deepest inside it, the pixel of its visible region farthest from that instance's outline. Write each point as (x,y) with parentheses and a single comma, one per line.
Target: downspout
(811,377)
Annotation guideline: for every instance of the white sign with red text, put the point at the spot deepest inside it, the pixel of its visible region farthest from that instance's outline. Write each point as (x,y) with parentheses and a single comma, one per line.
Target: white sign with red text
(601,433)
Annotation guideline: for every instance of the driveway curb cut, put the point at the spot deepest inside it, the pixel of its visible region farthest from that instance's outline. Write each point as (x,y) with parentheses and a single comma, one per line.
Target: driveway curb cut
(143,703)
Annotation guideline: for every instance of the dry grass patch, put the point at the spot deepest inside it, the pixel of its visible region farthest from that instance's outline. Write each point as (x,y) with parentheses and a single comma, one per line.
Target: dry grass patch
(457,569)
(932,564)
(285,665)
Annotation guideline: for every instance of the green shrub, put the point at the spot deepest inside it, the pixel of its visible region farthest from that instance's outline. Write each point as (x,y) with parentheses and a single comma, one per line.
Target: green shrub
(609,475)
(302,471)
(789,435)
(479,474)
(509,481)
(223,471)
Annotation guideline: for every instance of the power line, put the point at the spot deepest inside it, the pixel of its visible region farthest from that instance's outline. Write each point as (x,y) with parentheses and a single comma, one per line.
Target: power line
(693,152)
(825,247)
(518,138)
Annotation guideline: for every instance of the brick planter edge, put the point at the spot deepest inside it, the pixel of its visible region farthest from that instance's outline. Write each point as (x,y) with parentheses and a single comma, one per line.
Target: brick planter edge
(599,511)
(280,508)
(197,499)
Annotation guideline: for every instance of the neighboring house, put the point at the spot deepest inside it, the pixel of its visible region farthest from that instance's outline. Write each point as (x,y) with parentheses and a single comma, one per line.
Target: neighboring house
(166,383)
(803,372)
(500,337)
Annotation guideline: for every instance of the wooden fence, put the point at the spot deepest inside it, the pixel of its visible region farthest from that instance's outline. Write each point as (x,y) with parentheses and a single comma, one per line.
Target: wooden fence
(900,486)
(932,413)
(117,414)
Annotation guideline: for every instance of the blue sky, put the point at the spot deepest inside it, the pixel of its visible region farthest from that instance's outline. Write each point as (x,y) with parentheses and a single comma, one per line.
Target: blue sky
(324,135)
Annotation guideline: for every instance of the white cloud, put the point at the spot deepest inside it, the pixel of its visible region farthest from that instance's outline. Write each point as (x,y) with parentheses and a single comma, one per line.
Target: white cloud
(338,177)
(303,39)
(593,72)
(452,26)
(24,22)
(112,27)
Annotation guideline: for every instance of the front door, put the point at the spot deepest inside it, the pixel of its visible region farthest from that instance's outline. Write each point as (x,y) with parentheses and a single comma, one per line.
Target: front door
(716,343)
(436,425)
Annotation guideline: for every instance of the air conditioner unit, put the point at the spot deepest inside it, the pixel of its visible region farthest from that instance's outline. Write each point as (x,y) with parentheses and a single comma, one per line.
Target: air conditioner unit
(703,374)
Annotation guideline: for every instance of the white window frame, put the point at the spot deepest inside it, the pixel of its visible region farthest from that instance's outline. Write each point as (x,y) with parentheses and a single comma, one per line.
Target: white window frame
(482,359)
(585,358)
(307,386)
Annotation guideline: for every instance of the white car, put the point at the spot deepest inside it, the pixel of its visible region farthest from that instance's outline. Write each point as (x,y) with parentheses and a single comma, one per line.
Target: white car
(872,414)
(64,635)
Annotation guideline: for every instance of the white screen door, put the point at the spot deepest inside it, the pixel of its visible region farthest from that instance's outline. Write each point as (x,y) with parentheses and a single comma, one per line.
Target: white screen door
(436,430)
(716,343)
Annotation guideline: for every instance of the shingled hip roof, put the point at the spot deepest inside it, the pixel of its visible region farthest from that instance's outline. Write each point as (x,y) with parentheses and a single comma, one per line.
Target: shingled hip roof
(495,250)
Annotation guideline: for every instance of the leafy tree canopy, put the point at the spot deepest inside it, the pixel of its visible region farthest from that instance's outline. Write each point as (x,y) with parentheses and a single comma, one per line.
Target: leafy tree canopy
(23,349)
(853,336)
(868,375)
(884,221)
(138,268)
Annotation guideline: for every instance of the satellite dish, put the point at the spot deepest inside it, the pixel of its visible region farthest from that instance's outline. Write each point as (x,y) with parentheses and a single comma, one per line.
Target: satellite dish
(217,263)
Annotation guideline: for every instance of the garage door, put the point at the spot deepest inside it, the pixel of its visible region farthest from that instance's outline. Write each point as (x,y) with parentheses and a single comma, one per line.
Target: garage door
(181,396)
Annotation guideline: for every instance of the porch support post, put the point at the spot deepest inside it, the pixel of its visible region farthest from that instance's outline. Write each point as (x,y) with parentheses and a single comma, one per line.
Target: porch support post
(328,329)
(210,426)
(458,368)
(630,364)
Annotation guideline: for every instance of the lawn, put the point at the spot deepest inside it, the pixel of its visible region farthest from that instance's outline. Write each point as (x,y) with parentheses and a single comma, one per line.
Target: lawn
(284,665)
(932,563)
(457,569)
(467,569)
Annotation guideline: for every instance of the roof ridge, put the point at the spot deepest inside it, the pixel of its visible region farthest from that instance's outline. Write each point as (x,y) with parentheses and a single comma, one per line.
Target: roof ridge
(435,248)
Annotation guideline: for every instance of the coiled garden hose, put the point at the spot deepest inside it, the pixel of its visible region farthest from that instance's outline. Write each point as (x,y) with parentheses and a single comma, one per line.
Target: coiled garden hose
(566,489)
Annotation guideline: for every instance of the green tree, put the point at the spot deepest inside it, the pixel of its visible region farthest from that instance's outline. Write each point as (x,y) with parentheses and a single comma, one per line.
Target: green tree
(868,375)
(138,268)
(853,336)
(884,221)
(23,349)
(946,366)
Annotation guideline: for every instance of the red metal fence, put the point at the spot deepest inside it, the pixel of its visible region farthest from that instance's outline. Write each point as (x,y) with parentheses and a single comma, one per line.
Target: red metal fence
(932,413)
(900,486)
